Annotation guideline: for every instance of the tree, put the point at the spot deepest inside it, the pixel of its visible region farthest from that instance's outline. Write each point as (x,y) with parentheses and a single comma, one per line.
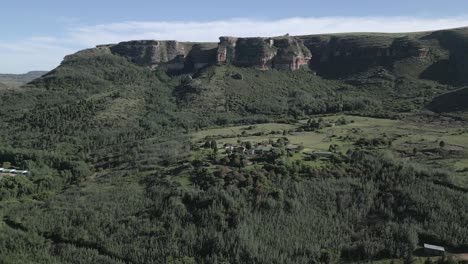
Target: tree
(214,146)
(248,145)
(441,144)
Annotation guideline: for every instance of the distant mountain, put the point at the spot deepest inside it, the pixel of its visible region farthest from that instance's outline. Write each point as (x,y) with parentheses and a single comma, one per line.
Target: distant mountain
(15,80)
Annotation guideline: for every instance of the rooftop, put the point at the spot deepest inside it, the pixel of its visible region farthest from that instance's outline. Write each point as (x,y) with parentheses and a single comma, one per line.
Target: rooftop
(433,247)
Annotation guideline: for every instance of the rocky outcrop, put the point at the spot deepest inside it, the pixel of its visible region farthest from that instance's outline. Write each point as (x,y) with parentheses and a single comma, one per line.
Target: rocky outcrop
(291,55)
(331,52)
(264,53)
(153,53)
(226,49)
(287,53)
(254,52)
(200,56)
(332,47)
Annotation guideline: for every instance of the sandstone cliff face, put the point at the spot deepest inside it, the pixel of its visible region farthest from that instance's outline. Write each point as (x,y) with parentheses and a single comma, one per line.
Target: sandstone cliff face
(327,48)
(226,49)
(292,54)
(201,55)
(264,53)
(343,55)
(285,53)
(153,53)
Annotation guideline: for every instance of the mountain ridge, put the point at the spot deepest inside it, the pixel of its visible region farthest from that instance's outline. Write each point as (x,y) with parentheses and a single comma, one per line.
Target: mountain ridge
(332,56)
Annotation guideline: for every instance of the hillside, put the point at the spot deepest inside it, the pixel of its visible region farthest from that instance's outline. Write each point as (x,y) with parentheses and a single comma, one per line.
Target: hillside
(288,149)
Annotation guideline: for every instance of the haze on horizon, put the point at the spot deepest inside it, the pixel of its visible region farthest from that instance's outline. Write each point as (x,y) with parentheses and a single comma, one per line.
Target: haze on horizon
(38,37)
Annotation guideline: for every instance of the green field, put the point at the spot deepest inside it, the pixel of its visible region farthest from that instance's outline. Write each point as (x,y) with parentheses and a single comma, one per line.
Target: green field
(413,138)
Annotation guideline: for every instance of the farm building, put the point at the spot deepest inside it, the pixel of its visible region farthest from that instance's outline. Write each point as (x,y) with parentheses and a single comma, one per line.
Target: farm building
(321,154)
(262,149)
(292,147)
(14,171)
(250,152)
(228,147)
(433,250)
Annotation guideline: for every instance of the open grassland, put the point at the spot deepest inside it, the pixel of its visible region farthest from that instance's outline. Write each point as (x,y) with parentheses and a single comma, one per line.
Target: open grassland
(235,131)
(413,138)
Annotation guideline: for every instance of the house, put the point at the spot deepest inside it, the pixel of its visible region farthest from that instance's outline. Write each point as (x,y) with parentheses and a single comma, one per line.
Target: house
(228,146)
(239,149)
(262,149)
(292,147)
(13,171)
(433,250)
(250,152)
(321,154)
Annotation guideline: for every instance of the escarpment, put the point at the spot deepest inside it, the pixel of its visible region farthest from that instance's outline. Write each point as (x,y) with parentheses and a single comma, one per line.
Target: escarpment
(424,55)
(153,53)
(287,53)
(284,53)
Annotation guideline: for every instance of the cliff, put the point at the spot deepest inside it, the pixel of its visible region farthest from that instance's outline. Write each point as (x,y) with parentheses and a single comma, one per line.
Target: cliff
(438,55)
(264,53)
(153,53)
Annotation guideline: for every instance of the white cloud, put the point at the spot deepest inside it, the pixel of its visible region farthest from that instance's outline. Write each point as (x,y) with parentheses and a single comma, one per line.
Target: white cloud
(45,52)
(210,31)
(31,54)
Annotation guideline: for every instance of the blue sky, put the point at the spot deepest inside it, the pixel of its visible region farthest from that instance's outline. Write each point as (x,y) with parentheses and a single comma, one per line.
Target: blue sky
(36,34)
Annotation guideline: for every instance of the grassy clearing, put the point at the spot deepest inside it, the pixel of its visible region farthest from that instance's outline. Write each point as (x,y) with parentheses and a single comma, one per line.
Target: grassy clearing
(234,131)
(416,140)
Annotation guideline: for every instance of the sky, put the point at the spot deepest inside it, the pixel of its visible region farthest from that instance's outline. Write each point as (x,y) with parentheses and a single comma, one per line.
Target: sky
(36,35)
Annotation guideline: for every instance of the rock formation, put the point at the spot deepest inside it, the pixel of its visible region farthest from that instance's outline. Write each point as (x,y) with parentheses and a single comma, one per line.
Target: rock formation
(285,53)
(264,53)
(226,49)
(153,53)
(201,55)
(291,55)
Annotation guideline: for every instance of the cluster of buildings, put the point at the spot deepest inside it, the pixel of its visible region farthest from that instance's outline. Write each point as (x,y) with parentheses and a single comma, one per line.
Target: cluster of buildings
(14,171)
(258,148)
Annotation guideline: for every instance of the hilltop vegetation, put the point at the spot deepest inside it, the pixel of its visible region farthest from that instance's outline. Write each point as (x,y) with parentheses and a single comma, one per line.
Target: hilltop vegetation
(128,166)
